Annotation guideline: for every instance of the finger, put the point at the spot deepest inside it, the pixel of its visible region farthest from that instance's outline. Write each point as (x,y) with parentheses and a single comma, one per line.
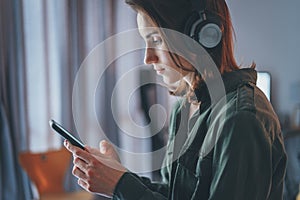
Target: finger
(83,184)
(108,149)
(86,167)
(95,152)
(87,148)
(81,164)
(78,173)
(66,144)
(69,146)
(84,155)
(91,150)
(103,146)
(78,152)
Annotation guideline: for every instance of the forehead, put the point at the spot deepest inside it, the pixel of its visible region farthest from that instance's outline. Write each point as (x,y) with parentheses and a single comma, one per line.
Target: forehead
(145,24)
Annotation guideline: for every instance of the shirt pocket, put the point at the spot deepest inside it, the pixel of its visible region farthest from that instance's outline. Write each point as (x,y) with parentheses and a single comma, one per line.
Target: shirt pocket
(204,174)
(204,166)
(185,182)
(193,180)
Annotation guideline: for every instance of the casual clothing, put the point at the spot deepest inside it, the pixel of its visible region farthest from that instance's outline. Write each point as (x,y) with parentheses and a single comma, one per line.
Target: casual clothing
(231,151)
(292,178)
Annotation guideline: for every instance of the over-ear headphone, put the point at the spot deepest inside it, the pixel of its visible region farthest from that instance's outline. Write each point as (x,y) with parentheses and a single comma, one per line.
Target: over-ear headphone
(203,26)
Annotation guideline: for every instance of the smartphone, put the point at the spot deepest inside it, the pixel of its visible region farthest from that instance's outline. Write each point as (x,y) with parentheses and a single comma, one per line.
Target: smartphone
(66,134)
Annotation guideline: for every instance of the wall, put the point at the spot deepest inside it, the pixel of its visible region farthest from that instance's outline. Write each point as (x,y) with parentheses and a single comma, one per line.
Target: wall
(267,32)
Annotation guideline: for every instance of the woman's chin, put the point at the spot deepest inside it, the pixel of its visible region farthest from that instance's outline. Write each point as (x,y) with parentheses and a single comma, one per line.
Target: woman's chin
(172,86)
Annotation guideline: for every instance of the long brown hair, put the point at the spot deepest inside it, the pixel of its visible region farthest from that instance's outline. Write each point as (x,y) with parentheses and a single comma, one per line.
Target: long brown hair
(223,54)
(172,14)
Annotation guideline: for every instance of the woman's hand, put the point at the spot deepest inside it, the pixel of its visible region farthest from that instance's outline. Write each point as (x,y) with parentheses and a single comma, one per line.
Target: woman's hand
(105,149)
(98,171)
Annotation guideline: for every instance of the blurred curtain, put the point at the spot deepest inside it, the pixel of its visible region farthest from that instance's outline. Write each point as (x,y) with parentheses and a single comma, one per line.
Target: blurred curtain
(42,46)
(13,118)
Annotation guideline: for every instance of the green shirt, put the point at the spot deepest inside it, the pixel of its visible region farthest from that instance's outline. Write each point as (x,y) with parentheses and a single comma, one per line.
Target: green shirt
(231,149)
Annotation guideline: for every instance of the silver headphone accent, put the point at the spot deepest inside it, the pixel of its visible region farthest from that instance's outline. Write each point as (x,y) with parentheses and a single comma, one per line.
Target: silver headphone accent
(203,28)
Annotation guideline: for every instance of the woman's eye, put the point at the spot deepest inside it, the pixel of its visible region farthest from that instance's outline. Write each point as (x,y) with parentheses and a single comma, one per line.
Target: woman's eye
(156,40)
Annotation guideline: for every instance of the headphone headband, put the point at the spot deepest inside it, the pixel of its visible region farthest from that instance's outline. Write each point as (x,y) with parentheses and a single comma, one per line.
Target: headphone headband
(202,17)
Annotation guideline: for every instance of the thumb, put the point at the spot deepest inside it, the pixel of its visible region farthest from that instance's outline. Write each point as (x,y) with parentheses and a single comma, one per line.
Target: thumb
(103,146)
(107,149)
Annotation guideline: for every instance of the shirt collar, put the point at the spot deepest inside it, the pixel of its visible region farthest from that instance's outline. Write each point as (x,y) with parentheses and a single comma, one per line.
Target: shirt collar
(231,80)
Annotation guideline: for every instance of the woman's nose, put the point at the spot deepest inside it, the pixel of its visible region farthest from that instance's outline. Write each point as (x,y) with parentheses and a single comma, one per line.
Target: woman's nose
(150,56)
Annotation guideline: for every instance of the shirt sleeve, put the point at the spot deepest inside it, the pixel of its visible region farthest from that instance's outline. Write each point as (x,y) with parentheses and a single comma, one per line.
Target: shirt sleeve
(242,163)
(133,187)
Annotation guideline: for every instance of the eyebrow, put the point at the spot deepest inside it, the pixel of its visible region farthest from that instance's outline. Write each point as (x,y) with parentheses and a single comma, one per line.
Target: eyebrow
(150,34)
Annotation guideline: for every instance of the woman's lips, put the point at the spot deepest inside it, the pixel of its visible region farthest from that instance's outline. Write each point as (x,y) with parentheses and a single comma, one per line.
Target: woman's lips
(159,70)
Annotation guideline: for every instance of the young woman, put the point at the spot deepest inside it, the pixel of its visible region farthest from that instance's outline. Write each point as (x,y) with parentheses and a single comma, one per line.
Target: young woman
(225,140)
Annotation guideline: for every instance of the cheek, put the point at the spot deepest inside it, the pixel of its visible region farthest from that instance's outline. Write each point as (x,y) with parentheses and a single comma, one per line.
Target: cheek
(171,76)
(173,67)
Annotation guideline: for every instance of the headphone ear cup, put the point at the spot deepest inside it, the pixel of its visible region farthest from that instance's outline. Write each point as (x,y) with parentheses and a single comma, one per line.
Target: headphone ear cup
(210,35)
(203,29)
